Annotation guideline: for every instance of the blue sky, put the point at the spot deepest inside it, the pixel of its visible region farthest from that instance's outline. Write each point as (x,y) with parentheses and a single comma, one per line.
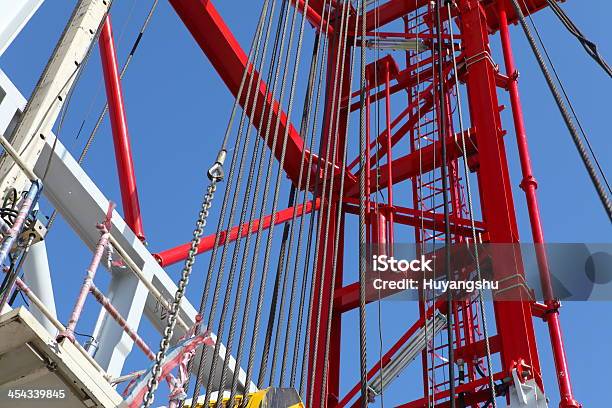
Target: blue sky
(177,112)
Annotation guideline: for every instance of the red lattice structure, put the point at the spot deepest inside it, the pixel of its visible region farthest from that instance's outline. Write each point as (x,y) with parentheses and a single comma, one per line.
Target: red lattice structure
(414,74)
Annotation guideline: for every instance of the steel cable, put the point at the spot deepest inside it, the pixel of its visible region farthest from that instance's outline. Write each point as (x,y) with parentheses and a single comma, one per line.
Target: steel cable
(254,50)
(250,286)
(312,221)
(363,361)
(315,62)
(589,46)
(263,207)
(238,295)
(337,79)
(339,217)
(281,274)
(570,105)
(603,196)
(298,55)
(262,286)
(304,126)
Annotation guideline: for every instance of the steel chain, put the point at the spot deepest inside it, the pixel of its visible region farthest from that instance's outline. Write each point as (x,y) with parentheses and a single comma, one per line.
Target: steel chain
(215,174)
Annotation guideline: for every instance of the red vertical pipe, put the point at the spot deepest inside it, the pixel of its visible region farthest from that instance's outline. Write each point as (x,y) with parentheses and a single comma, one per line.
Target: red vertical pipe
(121,138)
(514,320)
(529,186)
(367,168)
(389,156)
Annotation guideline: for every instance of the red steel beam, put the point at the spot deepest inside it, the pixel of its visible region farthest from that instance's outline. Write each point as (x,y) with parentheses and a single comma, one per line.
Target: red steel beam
(179,253)
(396,9)
(468,388)
(347,297)
(421,161)
(529,186)
(230,61)
(423,219)
(513,318)
(121,138)
(391,11)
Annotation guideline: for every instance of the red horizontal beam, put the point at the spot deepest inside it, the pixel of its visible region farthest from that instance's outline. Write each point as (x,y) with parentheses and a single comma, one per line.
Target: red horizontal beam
(478,349)
(396,9)
(423,219)
(420,161)
(470,389)
(179,253)
(347,297)
(230,61)
(391,11)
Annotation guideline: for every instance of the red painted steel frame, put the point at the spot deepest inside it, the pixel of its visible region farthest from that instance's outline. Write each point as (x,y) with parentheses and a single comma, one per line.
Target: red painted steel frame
(121,138)
(513,319)
(529,185)
(179,253)
(230,61)
(515,340)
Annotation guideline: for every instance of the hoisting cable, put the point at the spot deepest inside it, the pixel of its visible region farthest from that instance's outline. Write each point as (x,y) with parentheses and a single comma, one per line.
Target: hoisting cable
(281,274)
(126,64)
(308,108)
(252,62)
(569,104)
(340,212)
(323,75)
(209,277)
(336,97)
(589,46)
(363,149)
(238,296)
(234,263)
(280,170)
(339,203)
(269,78)
(215,175)
(603,195)
(303,130)
(447,233)
(246,260)
(284,22)
(276,62)
(304,126)
(466,171)
(368,192)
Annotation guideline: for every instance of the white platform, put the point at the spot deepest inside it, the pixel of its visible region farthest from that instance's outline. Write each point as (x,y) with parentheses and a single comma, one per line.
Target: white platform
(30,359)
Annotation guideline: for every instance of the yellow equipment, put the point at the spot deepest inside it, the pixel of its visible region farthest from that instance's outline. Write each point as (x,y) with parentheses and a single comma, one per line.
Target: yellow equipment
(267,398)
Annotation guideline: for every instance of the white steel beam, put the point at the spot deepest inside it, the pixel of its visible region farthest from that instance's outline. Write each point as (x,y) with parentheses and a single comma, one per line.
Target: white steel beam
(52,89)
(82,205)
(14,14)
